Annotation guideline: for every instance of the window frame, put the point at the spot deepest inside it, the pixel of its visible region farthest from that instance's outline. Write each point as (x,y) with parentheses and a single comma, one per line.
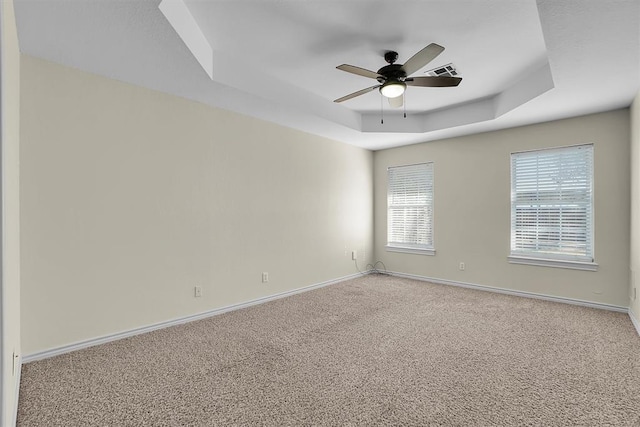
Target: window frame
(409,247)
(547,259)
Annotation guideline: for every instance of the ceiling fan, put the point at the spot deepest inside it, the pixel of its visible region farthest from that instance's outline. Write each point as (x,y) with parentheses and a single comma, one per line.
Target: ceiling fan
(394,78)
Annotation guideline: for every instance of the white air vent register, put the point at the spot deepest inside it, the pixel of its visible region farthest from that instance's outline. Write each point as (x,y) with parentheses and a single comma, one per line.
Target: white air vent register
(445,70)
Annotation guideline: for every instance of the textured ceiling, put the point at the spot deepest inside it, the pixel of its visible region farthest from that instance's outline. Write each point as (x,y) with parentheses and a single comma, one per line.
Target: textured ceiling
(521,61)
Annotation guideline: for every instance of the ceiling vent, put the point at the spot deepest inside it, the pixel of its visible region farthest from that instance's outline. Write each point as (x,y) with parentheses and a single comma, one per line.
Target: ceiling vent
(445,70)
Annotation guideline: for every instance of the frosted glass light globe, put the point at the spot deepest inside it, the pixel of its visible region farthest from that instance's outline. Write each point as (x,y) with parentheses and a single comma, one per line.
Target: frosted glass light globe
(393,89)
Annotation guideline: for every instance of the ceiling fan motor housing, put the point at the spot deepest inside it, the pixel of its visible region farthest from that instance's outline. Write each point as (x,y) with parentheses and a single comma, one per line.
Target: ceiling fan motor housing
(391,72)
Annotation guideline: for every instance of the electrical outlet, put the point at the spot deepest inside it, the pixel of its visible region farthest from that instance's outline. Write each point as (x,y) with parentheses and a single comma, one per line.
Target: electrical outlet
(461,266)
(265,277)
(354,255)
(197,291)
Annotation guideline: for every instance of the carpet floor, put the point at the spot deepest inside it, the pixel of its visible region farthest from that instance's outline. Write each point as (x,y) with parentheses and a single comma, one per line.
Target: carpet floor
(376,350)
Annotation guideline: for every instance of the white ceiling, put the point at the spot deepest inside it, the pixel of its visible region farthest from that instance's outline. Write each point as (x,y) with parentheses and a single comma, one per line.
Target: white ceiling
(522,61)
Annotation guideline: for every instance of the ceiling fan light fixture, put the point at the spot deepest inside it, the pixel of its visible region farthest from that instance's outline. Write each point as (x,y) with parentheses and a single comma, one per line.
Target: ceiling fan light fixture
(394,78)
(393,88)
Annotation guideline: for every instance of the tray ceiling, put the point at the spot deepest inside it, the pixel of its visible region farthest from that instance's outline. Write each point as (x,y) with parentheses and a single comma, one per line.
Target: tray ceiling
(521,61)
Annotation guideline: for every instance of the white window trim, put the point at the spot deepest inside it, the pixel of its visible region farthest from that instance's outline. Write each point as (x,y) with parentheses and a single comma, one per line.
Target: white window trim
(406,250)
(399,248)
(557,263)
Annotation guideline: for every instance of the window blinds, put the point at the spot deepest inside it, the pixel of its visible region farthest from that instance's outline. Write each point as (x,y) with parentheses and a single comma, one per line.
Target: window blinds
(552,203)
(410,206)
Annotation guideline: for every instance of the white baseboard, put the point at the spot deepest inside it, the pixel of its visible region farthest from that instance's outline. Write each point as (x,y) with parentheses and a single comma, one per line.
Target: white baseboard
(513,292)
(18,365)
(635,321)
(173,322)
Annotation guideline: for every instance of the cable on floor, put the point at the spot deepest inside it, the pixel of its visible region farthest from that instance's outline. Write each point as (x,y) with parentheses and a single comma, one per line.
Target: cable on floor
(372,268)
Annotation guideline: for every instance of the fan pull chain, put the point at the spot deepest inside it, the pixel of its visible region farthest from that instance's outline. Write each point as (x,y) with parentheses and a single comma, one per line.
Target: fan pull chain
(381,110)
(404,105)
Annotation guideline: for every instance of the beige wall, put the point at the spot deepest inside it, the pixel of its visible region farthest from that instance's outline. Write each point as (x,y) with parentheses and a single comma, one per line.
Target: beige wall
(472,209)
(634,304)
(10,89)
(132,197)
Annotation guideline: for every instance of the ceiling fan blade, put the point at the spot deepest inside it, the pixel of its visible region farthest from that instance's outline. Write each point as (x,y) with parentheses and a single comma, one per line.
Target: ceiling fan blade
(422,58)
(358,93)
(428,81)
(357,70)
(397,101)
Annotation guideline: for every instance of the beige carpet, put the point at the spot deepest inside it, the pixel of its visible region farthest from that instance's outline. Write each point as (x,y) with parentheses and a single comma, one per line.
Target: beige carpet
(376,350)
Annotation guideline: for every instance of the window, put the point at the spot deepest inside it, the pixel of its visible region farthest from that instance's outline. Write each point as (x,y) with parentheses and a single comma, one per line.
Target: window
(410,209)
(552,207)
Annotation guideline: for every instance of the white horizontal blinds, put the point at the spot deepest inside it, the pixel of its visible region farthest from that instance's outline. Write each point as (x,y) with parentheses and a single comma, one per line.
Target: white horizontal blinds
(552,203)
(410,206)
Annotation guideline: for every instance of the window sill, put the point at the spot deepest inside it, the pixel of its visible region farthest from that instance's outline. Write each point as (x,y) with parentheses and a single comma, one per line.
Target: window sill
(430,252)
(573,265)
